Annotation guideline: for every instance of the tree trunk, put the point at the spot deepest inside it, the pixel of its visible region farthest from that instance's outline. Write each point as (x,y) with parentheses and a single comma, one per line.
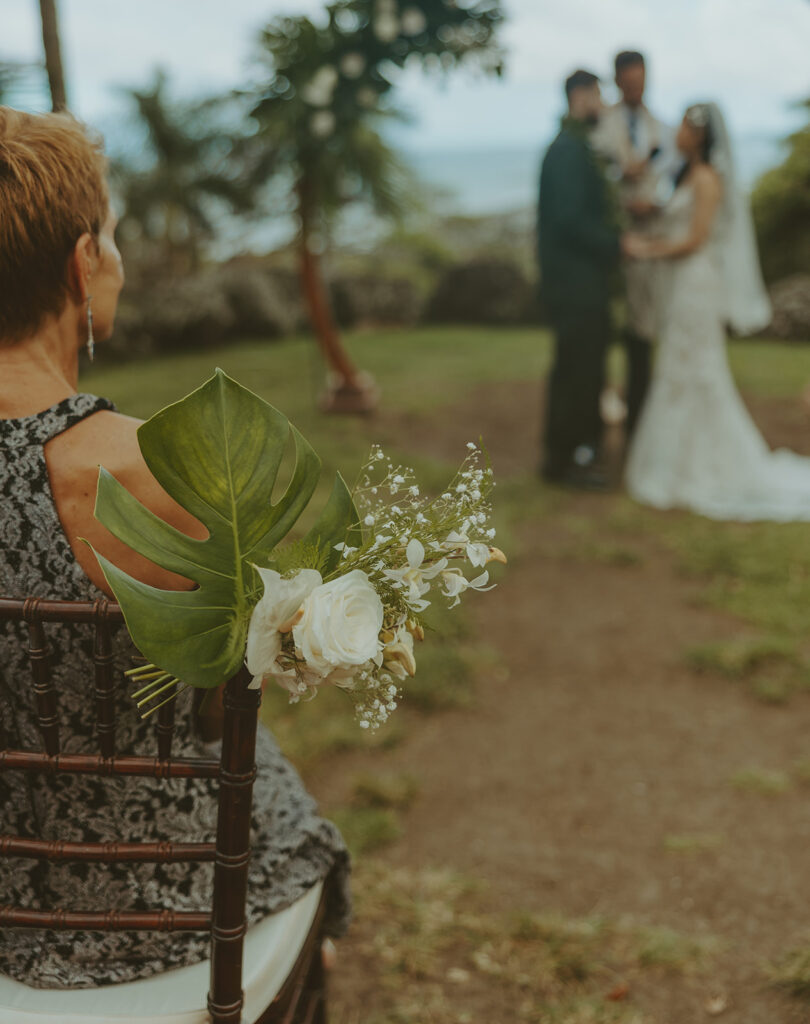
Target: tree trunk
(53,54)
(350,390)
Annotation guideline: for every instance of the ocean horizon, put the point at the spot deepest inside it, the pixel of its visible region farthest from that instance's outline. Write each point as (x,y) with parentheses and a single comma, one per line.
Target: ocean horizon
(466,182)
(482,181)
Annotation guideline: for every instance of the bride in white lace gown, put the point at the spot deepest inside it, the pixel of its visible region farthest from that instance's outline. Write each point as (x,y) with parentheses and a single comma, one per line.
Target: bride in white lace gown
(696,446)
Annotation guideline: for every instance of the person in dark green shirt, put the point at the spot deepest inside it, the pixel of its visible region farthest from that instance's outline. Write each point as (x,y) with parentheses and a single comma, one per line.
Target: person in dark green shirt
(579,249)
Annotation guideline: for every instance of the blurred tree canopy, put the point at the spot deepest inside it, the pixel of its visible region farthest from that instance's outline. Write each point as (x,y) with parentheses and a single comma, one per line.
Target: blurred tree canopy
(781,203)
(20,81)
(328,88)
(193,163)
(320,110)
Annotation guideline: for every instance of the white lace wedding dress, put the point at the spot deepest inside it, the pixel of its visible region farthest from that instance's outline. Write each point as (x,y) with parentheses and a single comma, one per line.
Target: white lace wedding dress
(696,446)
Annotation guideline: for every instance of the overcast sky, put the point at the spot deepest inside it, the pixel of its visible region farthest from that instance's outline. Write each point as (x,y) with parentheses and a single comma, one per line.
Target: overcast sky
(749,55)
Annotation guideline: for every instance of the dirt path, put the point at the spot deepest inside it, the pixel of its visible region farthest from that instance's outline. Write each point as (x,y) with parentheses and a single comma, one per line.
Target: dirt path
(596,747)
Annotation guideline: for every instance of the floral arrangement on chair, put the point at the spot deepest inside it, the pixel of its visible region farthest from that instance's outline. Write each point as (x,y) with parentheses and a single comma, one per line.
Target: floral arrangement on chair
(342,605)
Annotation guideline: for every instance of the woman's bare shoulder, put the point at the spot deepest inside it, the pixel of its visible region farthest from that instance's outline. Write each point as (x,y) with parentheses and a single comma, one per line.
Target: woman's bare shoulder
(110,439)
(706,180)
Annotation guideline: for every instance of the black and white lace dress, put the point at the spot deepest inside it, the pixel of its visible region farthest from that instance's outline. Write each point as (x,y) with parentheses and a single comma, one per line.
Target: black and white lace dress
(292,848)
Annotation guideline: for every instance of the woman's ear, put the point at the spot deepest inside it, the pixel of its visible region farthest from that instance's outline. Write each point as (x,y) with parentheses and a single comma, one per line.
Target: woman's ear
(81,264)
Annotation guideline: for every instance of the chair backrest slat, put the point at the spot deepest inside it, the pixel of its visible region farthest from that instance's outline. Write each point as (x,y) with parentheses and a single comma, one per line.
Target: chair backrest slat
(39,655)
(235,770)
(165,728)
(14,609)
(113,852)
(95,764)
(103,660)
(107,920)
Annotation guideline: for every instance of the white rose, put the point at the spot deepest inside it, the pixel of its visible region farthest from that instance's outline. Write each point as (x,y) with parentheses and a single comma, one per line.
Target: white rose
(274,615)
(341,623)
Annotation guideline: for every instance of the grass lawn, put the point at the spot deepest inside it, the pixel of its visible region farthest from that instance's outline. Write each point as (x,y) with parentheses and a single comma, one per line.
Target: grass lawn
(417,369)
(759,572)
(434,936)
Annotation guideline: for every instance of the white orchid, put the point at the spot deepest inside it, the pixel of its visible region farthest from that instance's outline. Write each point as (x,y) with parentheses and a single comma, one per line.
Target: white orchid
(415,576)
(278,611)
(455,583)
(479,554)
(397,655)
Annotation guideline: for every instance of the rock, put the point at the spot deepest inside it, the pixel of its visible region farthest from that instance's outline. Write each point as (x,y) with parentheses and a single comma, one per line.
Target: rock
(791,308)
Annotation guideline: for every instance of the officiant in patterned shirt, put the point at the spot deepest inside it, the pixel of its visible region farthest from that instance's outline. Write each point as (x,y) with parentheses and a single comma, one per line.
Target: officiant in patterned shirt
(639,152)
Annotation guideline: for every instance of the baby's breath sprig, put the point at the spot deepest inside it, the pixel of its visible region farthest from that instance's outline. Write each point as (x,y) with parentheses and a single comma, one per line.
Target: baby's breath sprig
(410,540)
(376,696)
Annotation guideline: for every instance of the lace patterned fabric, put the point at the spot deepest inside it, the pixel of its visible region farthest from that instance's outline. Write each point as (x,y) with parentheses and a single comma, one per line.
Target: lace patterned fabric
(292,848)
(696,446)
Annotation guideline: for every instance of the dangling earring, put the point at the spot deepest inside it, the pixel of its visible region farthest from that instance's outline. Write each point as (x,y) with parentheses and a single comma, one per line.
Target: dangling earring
(91,341)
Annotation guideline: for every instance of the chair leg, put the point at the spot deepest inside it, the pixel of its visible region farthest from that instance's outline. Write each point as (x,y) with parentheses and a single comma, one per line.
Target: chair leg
(319,986)
(304,999)
(313,1004)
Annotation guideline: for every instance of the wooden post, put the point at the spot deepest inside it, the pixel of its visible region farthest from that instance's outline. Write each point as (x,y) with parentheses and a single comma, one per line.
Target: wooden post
(229,920)
(53,54)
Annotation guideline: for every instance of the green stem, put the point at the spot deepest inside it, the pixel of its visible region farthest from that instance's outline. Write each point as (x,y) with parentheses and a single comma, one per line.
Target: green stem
(152,685)
(157,693)
(173,696)
(138,669)
(147,676)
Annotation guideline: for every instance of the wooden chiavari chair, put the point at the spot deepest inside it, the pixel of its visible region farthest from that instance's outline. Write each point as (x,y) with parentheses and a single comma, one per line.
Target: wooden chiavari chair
(283,976)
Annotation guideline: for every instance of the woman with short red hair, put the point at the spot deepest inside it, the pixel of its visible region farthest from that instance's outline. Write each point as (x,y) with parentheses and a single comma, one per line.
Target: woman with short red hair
(60,278)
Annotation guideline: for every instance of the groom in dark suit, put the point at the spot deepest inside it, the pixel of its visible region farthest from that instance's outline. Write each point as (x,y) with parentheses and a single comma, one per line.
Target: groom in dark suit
(579,251)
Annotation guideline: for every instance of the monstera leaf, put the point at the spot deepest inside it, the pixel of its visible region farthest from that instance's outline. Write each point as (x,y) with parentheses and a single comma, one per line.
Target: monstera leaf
(217,452)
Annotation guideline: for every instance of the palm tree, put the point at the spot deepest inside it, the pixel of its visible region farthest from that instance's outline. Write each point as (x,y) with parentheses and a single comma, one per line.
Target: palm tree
(320,114)
(192,166)
(53,54)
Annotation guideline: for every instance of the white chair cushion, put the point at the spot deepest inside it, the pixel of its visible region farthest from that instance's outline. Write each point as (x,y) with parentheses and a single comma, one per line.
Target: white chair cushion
(177,996)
